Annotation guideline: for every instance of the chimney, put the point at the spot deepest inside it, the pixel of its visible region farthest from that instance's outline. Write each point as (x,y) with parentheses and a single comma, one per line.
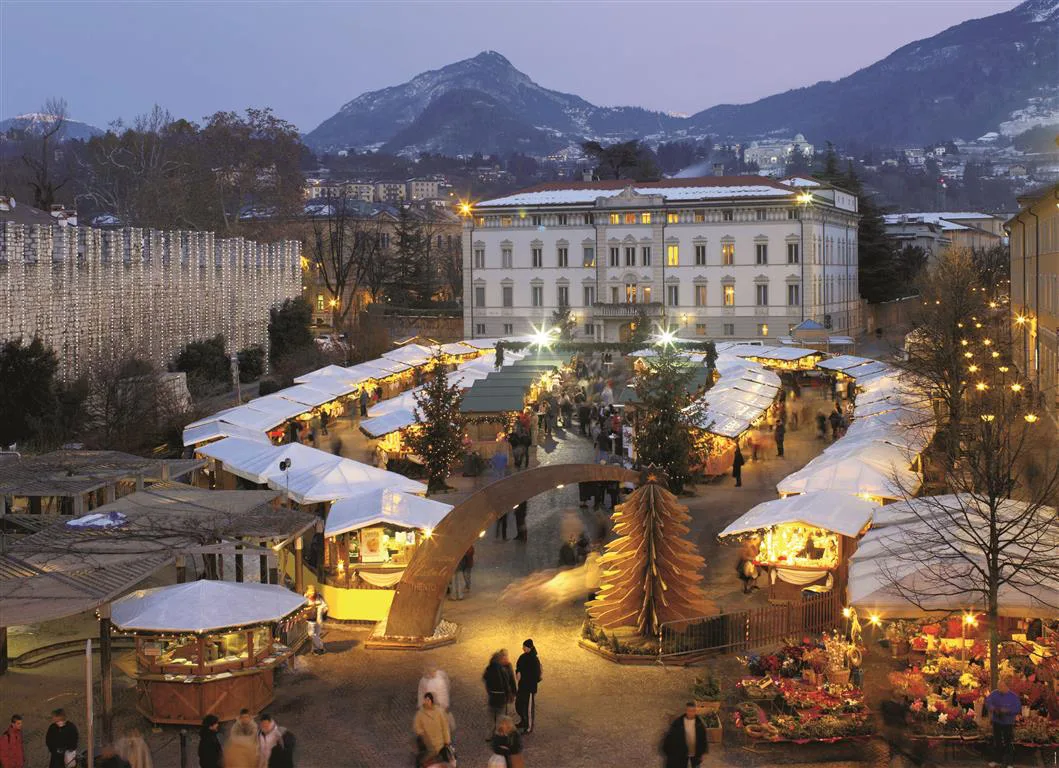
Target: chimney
(718,169)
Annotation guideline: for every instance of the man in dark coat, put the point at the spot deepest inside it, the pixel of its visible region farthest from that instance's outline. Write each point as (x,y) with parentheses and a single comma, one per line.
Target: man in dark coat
(499,687)
(210,753)
(528,675)
(780,434)
(60,739)
(685,742)
(520,522)
(737,467)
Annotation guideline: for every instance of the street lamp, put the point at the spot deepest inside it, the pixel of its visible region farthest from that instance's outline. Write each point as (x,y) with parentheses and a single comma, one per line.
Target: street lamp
(467,212)
(284,466)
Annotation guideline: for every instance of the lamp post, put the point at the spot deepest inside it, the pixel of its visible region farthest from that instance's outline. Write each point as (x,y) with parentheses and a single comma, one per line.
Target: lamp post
(284,467)
(467,212)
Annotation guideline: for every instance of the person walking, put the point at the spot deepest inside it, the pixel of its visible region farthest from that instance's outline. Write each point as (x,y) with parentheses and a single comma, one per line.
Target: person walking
(242,748)
(780,434)
(499,687)
(685,742)
(501,527)
(528,675)
(521,532)
(133,749)
(277,745)
(61,740)
(1003,705)
(431,726)
(506,744)
(737,467)
(12,753)
(466,564)
(364,398)
(211,755)
(499,462)
(315,612)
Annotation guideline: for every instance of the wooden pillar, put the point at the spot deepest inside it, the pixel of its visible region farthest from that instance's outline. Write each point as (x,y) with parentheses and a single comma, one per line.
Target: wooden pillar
(239,574)
(106,675)
(79,505)
(3,650)
(181,569)
(264,569)
(220,566)
(299,575)
(110,493)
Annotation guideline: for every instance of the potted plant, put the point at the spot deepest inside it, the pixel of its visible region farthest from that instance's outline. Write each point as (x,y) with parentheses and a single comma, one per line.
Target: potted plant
(837,670)
(714,732)
(815,661)
(706,691)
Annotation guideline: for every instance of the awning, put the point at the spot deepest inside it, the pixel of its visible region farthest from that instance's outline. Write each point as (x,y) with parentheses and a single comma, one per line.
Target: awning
(458,348)
(278,407)
(204,606)
(306,394)
(257,463)
(828,510)
(410,354)
(867,369)
(338,479)
(384,506)
(842,362)
(213,430)
(391,421)
(853,475)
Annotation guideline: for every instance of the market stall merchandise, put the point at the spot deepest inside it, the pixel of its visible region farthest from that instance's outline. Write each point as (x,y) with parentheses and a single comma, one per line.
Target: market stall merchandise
(369,540)
(804,541)
(208,647)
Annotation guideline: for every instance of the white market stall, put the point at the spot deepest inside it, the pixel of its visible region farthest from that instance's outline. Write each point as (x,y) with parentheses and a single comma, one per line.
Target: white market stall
(804,541)
(208,647)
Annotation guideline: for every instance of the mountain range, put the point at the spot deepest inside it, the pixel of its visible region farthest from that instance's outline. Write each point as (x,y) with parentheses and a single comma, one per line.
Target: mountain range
(960,83)
(34,122)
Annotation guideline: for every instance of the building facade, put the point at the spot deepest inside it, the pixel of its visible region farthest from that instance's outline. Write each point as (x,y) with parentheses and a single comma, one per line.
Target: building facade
(1034,237)
(88,292)
(716,257)
(937,231)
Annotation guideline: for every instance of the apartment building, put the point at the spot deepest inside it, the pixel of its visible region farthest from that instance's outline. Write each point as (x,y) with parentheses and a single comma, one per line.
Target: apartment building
(423,189)
(1034,237)
(716,257)
(389,192)
(937,231)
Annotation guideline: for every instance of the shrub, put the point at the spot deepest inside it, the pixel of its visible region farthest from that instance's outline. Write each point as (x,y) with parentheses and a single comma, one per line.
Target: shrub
(251,363)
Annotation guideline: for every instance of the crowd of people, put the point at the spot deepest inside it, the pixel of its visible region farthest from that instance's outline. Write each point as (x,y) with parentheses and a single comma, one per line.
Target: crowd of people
(508,689)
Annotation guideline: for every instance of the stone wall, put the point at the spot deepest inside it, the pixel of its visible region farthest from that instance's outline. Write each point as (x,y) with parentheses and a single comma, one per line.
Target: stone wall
(91,294)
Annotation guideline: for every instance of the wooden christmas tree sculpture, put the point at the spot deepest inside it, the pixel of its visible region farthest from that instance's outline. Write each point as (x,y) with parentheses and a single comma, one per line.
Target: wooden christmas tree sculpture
(651,573)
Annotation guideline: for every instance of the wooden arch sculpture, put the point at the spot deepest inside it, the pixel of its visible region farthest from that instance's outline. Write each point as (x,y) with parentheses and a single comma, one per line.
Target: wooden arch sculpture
(416,608)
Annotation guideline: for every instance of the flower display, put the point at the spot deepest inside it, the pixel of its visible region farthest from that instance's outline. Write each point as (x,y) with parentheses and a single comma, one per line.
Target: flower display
(1036,729)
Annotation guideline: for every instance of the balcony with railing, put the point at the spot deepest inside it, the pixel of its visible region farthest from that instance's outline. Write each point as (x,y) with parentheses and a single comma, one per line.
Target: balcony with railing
(629,311)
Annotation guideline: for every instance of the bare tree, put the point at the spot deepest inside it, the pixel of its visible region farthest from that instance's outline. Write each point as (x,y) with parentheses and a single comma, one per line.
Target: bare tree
(40,159)
(936,352)
(996,538)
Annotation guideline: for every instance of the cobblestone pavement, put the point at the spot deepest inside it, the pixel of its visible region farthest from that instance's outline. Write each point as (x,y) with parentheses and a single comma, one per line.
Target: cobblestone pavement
(353,708)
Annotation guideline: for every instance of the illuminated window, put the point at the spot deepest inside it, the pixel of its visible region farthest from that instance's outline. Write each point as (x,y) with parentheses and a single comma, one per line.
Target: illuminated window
(319,302)
(505,221)
(700,329)
(700,216)
(630,218)
(672,218)
(729,295)
(727,254)
(588,257)
(700,255)
(673,255)
(762,329)
(645,218)
(630,293)
(700,295)
(615,218)
(647,294)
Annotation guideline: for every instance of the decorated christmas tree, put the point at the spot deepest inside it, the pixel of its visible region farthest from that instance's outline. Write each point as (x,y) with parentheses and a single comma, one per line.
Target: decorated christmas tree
(438,432)
(651,573)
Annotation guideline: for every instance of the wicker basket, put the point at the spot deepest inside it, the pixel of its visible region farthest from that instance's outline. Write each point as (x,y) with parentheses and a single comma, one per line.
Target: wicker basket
(838,676)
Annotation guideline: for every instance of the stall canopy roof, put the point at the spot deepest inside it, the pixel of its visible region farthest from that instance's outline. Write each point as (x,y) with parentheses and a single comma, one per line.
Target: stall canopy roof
(391,421)
(410,354)
(498,400)
(258,462)
(868,369)
(828,510)
(67,569)
(385,506)
(338,479)
(306,394)
(213,430)
(72,473)
(786,354)
(842,362)
(204,606)
(458,348)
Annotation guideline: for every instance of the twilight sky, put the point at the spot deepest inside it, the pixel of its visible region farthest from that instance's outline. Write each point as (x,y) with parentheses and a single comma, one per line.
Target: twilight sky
(305,59)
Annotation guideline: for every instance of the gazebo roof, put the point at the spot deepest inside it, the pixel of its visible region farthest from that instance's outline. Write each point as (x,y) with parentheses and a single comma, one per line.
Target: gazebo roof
(204,606)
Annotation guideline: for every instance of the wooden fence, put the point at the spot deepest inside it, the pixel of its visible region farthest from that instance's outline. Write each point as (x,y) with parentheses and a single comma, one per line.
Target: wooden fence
(740,631)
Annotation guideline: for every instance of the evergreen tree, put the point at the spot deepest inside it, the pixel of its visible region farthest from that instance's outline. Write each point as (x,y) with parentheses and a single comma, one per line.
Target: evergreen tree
(288,328)
(640,328)
(407,268)
(875,249)
(31,393)
(438,432)
(830,172)
(651,572)
(564,322)
(663,437)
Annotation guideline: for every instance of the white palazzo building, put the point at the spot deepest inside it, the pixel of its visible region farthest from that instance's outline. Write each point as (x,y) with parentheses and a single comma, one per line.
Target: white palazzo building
(716,257)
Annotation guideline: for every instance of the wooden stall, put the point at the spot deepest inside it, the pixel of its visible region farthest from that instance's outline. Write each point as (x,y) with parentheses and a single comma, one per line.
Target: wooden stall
(208,647)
